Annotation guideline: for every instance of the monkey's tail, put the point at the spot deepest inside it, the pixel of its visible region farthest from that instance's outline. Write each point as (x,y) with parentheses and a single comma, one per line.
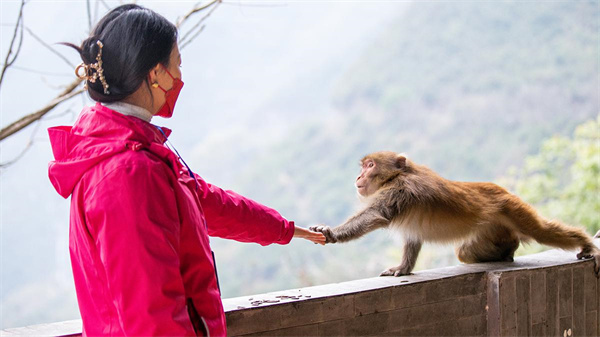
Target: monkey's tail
(562,236)
(548,232)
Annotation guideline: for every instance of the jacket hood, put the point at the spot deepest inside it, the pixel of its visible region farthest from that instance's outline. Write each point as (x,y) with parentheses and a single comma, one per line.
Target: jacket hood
(98,133)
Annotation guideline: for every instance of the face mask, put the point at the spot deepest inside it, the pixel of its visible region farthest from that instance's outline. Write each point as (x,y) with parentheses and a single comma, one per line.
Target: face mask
(171,95)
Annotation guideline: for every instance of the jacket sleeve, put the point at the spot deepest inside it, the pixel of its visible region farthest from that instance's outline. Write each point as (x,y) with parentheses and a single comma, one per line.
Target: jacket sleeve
(232,216)
(132,214)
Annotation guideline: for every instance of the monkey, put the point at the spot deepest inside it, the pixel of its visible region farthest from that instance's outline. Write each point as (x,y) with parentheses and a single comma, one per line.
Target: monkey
(486,220)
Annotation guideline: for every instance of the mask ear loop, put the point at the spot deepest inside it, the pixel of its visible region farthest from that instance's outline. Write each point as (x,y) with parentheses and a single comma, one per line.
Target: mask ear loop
(167,70)
(155,84)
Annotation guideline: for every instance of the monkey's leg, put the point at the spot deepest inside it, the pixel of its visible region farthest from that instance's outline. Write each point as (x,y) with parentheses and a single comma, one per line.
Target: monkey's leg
(495,243)
(355,227)
(409,258)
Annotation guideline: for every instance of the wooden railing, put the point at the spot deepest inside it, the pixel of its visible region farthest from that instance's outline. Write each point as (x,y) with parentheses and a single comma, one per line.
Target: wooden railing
(546,294)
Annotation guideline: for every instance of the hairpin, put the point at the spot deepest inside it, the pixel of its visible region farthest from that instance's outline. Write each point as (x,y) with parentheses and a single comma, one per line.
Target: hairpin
(88,76)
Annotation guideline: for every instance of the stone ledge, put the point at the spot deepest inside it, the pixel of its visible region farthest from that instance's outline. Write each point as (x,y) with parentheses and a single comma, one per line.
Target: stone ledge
(541,293)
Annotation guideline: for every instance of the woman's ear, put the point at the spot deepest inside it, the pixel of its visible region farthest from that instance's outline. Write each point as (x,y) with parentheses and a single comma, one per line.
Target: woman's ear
(153,74)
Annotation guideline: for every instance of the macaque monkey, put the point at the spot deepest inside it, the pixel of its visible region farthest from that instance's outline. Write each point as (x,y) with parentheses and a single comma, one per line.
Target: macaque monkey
(487,221)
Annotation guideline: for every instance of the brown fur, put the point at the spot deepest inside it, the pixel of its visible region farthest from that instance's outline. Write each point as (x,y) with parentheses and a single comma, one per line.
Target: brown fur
(487,220)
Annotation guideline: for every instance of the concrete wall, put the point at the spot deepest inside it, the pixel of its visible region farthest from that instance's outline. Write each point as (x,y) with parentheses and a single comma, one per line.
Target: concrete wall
(547,294)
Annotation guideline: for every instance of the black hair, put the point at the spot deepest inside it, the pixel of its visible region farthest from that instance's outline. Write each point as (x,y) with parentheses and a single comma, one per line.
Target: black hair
(135,39)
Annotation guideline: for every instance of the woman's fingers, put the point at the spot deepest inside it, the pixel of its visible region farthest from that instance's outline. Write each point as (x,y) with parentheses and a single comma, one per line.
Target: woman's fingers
(315,237)
(318,238)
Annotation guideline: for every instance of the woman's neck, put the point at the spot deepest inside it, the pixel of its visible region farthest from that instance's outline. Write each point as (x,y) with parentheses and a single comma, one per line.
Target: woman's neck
(129,109)
(142,98)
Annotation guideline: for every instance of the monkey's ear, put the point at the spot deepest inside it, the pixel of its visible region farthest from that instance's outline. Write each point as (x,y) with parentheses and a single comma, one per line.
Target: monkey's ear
(401,161)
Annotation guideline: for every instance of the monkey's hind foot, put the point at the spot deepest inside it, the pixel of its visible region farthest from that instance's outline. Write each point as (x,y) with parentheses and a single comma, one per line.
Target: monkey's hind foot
(591,253)
(588,251)
(596,257)
(396,271)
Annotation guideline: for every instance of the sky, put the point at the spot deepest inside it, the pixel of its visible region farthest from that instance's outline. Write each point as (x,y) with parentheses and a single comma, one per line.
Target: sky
(256,64)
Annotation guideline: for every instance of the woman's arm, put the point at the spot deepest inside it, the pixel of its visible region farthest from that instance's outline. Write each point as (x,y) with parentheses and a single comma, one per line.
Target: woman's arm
(232,216)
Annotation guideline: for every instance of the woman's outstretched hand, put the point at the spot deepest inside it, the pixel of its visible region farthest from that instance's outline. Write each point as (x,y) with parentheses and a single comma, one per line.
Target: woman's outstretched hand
(304,233)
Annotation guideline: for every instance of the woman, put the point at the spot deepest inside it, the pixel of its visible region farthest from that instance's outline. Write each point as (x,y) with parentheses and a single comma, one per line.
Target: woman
(140,219)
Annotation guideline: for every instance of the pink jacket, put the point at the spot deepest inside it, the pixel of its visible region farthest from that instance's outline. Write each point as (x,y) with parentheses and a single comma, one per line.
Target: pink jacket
(139,228)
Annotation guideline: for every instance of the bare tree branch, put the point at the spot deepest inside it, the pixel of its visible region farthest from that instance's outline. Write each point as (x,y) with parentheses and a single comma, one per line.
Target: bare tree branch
(89,14)
(27,147)
(8,61)
(105,5)
(69,111)
(182,44)
(196,9)
(69,92)
(96,9)
(191,34)
(41,72)
(54,51)
(270,5)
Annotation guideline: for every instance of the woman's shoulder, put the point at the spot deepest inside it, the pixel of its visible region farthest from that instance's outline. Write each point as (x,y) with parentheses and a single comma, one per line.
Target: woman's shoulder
(128,166)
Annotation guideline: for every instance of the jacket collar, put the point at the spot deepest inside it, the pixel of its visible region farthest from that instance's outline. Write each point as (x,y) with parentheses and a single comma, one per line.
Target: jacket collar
(101,121)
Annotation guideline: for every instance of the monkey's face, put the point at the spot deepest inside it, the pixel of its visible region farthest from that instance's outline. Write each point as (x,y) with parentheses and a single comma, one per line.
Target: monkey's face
(364,182)
(377,169)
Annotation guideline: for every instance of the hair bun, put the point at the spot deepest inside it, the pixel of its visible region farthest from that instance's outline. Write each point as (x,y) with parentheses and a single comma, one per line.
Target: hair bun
(134,40)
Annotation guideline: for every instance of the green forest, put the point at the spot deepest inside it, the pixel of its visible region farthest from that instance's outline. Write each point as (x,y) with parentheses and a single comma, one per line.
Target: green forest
(491,91)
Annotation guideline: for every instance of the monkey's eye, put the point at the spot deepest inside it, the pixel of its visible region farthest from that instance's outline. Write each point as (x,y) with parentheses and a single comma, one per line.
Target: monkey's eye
(370,165)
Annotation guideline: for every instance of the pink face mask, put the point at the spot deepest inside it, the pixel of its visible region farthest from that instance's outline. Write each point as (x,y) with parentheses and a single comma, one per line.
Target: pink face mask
(166,110)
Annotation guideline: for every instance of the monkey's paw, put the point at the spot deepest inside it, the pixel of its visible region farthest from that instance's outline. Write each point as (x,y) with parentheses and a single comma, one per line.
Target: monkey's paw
(326,230)
(396,271)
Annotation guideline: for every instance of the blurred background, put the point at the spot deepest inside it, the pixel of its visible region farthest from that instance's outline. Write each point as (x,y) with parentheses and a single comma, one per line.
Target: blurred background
(283,98)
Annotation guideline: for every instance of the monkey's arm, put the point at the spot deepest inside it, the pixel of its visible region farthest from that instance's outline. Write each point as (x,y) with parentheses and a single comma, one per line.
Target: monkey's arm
(355,227)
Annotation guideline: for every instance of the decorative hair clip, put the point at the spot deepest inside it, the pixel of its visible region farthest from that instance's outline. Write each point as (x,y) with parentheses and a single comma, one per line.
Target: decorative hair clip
(97,74)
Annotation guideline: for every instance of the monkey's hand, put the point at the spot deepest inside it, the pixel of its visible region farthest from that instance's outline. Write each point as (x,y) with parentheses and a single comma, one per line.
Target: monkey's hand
(326,230)
(397,271)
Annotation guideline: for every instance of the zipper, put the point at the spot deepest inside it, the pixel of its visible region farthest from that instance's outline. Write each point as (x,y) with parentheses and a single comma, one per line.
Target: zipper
(200,330)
